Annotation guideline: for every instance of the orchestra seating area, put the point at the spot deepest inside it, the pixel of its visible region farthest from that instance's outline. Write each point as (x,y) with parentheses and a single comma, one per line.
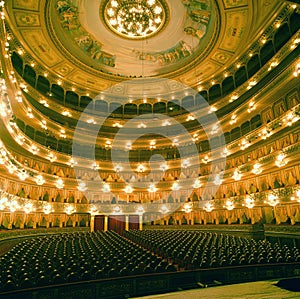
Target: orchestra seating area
(87,256)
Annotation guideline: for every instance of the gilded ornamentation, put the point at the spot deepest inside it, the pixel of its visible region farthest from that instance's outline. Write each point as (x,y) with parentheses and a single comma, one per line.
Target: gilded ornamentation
(85,41)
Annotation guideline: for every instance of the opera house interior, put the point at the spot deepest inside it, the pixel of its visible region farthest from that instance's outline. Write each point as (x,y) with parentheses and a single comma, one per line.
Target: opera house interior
(148,146)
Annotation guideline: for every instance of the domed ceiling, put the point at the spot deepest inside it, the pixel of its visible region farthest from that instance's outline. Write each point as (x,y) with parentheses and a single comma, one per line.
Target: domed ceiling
(99,43)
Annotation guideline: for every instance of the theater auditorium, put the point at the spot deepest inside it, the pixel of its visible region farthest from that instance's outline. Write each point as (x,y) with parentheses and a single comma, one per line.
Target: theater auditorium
(149,148)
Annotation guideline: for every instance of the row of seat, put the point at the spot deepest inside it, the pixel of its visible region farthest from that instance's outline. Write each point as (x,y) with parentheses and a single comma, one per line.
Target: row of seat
(196,249)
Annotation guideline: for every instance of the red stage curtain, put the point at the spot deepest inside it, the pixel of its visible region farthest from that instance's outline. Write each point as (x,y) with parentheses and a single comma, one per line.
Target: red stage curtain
(134,222)
(99,223)
(116,223)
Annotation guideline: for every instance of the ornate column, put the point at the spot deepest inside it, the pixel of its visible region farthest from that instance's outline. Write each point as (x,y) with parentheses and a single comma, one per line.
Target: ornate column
(126,222)
(92,223)
(140,222)
(105,223)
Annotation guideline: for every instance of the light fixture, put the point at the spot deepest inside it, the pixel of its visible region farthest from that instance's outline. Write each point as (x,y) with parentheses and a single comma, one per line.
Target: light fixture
(93,210)
(175,186)
(280,160)
(152,188)
(13,205)
(82,186)
(70,210)
(217,180)
(28,208)
(164,209)
(135,19)
(163,167)
(117,210)
(105,188)
(128,189)
(265,133)
(190,117)
(118,168)
(237,175)
(23,175)
(117,125)
(166,123)
(34,149)
(197,184)
(140,168)
(3,203)
(59,184)
(205,160)
(128,146)
(249,202)
(141,125)
(47,209)
(257,168)
(297,196)
(272,200)
(187,208)
(229,205)
(140,210)
(51,157)
(39,180)
(66,113)
(185,163)
(152,144)
(208,207)
(72,163)
(108,144)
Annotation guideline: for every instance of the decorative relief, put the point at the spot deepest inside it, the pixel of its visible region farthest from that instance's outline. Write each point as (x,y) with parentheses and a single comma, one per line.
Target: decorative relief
(197,18)
(70,22)
(27,19)
(235,25)
(40,46)
(26,4)
(172,55)
(235,3)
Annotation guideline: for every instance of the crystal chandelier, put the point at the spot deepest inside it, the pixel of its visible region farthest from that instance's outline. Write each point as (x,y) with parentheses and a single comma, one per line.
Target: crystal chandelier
(135,19)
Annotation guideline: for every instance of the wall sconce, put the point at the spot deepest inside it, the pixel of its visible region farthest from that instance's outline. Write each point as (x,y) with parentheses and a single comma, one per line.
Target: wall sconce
(163,167)
(208,207)
(39,180)
(140,210)
(237,175)
(164,209)
(93,210)
(249,202)
(217,180)
(59,184)
(272,200)
(3,203)
(128,189)
(28,208)
(229,205)
(106,188)
(297,196)
(82,186)
(117,210)
(280,160)
(70,210)
(175,186)
(47,209)
(140,168)
(187,208)
(152,188)
(197,184)
(118,168)
(13,205)
(256,168)
(185,164)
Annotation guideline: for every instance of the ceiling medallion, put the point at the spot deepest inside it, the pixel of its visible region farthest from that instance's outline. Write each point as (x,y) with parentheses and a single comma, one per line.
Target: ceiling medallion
(135,19)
